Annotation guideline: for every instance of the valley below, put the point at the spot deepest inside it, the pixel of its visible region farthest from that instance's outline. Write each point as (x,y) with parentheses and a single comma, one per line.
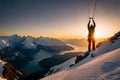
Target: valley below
(43,60)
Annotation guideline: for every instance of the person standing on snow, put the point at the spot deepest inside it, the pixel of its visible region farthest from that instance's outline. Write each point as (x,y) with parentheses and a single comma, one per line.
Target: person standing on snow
(91,32)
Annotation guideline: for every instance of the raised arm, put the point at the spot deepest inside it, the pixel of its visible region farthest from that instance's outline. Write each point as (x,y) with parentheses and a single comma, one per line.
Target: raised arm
(94,23)
(88,23)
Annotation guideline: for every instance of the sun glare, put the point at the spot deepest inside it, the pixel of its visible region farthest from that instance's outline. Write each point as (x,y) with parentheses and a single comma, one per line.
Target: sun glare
(102,32)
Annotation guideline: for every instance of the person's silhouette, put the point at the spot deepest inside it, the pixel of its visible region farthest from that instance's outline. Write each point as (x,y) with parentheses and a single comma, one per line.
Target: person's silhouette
(91,31)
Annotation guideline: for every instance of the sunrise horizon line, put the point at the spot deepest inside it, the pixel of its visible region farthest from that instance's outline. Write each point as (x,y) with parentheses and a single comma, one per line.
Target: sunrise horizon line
(57,37)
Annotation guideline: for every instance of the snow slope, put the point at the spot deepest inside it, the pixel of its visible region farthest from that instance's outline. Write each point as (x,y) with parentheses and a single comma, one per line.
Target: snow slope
(63,66)
(104,67)
(103,47)
(109,45)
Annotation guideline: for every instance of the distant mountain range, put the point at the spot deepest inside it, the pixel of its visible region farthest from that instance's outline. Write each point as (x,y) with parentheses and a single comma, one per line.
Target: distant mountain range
(81,42)
(17,50)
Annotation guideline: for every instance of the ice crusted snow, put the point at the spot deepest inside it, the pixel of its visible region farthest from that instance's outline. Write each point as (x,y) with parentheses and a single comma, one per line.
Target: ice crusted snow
(104,67)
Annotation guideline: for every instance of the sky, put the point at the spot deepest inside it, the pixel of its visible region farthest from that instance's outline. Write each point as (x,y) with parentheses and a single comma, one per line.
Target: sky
(58,18)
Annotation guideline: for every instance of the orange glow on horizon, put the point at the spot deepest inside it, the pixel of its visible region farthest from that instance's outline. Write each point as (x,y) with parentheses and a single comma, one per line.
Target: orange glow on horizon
(72,31)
